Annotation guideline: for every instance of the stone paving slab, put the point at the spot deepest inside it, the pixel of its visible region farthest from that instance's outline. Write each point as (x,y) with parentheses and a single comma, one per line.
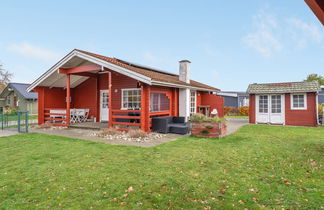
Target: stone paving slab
(233,124)
(7,133)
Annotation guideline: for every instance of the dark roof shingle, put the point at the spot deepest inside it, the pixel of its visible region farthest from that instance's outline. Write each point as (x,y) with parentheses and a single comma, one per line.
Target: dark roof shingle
(20,88)
(154,75)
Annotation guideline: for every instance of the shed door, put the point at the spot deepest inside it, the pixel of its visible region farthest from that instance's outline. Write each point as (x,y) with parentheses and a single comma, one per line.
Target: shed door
(262,109)
(276,109)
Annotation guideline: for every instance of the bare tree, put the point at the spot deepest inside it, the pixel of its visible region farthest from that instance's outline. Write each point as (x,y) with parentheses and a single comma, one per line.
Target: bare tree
(5,77)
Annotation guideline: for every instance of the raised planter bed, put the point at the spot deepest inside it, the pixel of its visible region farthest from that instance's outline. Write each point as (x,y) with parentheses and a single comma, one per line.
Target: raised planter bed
(208,129)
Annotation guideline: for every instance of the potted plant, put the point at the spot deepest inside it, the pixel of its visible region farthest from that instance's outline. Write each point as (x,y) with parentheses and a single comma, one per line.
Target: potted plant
(210,127)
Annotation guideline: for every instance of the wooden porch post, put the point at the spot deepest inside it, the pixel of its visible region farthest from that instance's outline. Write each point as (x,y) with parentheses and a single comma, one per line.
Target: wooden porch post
(145,108)
(68,99)
(110,100)
(41,105)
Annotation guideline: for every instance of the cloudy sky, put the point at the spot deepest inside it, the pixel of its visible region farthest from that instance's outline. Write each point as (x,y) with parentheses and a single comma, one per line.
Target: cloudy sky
(229,44)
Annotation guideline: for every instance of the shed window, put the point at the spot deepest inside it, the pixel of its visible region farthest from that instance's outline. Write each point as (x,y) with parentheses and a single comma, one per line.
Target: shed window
(263,104)
(131,98)
(298,101)
(159,102)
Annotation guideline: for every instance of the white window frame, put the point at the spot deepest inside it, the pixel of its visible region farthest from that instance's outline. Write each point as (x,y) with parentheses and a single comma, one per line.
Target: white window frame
(268,103)
(195,106)
(122,97)
(292,101)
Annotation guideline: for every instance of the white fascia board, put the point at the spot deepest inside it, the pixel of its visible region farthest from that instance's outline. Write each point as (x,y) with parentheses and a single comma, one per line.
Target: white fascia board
(90,58)
(227,94)
(167,84)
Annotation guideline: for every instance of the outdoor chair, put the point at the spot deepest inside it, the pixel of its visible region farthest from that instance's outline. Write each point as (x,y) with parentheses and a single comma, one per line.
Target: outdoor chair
(170,125)
(81,115)
(73,118)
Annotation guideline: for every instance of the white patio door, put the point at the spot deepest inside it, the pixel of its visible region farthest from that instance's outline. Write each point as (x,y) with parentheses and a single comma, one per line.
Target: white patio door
(276,109)
(270,109)
(262,108)
(104,108)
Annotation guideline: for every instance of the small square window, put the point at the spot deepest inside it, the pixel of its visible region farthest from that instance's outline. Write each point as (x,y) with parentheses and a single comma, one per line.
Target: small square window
(298,101)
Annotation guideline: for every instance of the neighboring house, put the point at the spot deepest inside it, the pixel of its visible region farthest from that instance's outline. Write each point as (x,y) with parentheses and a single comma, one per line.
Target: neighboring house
(112,89)
(234,99)
(291,103)
(321,95)
(15,95)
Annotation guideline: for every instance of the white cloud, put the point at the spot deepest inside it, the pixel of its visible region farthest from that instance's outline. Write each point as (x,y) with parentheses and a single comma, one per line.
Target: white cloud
(273,33)
(264,39)
(303,33)
(28,50)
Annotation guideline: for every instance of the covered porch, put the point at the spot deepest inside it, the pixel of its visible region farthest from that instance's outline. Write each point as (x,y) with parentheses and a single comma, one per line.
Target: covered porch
(106,97)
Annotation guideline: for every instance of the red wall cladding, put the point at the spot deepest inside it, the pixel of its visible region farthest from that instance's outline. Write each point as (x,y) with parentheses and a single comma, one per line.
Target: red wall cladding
(54,98)
(119,82)
(84,96)
(215,102)
(302,117)
(252,109)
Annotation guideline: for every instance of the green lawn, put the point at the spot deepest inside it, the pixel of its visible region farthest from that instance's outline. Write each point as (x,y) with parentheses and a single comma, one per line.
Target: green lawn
(15,117)
(257,167)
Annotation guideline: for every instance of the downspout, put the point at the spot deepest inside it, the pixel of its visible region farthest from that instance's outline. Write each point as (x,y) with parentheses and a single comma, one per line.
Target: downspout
(317,117)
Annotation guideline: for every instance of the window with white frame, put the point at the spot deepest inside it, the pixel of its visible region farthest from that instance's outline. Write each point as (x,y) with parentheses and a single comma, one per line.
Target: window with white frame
(298,101)
(192,102)
(131,98)
(159,102)
(276,104)
(263,104)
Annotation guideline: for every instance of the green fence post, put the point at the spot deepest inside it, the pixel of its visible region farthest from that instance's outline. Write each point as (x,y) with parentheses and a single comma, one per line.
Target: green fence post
(18,122)
(2,118)
(26,121)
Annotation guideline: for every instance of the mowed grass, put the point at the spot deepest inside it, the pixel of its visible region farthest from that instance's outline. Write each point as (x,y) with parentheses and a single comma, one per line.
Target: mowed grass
(257,167)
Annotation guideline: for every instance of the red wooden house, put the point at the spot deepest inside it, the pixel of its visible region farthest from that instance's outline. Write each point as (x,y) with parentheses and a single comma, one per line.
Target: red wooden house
(292,103)
(112,88)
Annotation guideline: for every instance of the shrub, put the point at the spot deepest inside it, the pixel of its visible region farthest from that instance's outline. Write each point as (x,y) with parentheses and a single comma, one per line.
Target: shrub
(109,132)
(9,110)
(137,133)
(243,110)
(199,118)
(205,132)
(229,110)
(320,109)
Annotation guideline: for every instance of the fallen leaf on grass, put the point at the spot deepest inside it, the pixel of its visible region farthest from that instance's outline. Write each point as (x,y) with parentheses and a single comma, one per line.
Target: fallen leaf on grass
(241,202)
(130,189)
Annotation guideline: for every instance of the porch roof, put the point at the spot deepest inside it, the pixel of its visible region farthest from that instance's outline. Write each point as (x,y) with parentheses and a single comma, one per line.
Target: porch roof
(144,74)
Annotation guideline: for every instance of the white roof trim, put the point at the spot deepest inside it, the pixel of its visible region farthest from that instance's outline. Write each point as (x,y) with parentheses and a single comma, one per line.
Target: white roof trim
(154,82)
(95,60)
(227,94)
